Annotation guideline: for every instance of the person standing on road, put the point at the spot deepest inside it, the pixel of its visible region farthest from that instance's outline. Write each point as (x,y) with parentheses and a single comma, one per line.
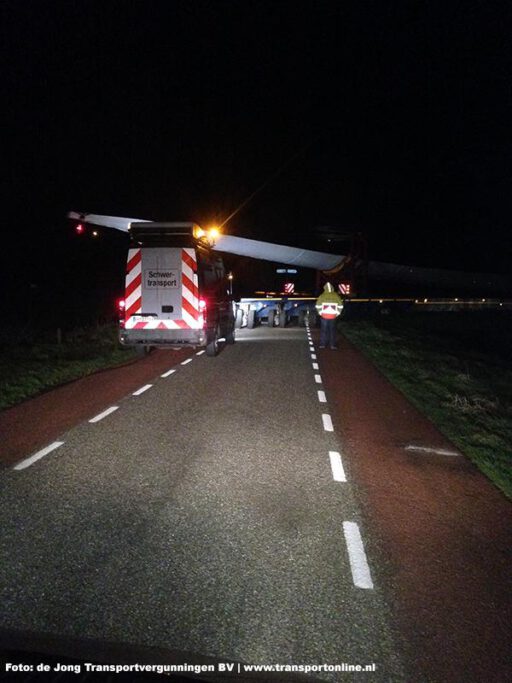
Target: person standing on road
(329,305)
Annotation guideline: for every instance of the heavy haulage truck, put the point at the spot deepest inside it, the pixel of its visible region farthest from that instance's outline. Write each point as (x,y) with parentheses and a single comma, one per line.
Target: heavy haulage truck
(176,290)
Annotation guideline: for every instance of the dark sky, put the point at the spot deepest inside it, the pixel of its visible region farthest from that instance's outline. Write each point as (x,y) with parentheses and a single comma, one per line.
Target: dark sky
(401,112)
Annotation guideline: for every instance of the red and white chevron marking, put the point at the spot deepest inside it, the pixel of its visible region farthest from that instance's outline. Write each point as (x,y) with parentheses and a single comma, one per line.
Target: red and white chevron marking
(133,289)
(190,315)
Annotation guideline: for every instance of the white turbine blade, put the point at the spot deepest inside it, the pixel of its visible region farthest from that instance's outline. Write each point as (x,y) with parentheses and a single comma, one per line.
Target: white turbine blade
(116,222)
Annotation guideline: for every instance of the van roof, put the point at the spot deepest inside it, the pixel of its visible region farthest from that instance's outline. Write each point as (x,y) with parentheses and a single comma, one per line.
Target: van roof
(149,233)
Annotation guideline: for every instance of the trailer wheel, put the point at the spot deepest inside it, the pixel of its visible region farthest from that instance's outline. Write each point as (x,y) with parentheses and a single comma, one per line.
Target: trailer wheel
(212,345)
(239,318)
(271,316)
(282,319)
(251,319)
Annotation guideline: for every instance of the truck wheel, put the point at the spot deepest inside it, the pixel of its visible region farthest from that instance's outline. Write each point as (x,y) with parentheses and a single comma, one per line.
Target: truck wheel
(212,345)
(239,318)
(271,316)
(230,336)
(251,319)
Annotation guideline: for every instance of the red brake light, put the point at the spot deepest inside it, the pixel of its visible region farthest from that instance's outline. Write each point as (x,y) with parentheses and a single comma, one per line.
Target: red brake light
(202,311)
(80,229)
(121,305)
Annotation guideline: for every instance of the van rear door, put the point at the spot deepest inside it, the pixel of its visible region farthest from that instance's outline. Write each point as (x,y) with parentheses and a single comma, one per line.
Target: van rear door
(162,289)
(161,283)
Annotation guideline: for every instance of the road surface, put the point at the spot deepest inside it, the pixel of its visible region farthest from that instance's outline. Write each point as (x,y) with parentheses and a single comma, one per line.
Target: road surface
(206,512)
(205,506)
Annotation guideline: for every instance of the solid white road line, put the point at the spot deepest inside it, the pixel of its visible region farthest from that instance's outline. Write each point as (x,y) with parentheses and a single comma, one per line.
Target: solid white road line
(189,360)
(326,419)
(315,366)
(104,414)
(318,379)
(142,390)
(200,353)
(357,557)
(321,397)
(313,356)
(37,456)
(338,473)
(169,372)
(437,451)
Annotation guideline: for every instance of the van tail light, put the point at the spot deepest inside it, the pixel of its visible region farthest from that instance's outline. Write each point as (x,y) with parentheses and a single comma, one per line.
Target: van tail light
(202,312)
(121,307)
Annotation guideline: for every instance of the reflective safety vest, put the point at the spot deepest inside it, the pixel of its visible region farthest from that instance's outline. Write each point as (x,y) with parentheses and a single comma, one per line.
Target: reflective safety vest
(330,310)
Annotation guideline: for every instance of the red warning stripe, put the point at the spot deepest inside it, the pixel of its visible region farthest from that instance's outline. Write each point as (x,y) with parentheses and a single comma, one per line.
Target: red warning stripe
(189,308)
(133,261)
(187,282)
(134,308)
(191,263)
(133,285)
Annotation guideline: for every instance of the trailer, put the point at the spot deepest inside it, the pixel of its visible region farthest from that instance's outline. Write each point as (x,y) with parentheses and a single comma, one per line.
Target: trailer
(273,311)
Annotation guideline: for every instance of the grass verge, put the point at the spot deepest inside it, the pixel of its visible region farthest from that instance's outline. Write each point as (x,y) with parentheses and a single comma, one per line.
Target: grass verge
(453,374)
(28,368)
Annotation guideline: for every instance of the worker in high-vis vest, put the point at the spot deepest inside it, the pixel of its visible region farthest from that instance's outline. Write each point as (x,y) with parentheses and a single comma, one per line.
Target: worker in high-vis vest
(329,306)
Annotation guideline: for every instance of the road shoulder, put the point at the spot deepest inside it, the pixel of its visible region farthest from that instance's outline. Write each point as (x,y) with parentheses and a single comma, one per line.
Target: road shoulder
(40,420)
(446,531)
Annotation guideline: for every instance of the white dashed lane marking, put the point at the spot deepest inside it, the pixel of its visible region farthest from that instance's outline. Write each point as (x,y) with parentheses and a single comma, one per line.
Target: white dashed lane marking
(321,397)
(199,353)
(106,412)
(357,557)
(338,473)
(184,362)
(169,372)
(315,366)
(313,356)
(37,456)
(326,419)
(142,390)
(318,379)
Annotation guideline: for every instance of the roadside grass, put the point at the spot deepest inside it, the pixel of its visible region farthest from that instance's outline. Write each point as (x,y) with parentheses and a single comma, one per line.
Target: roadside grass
(456,372)
(28,367)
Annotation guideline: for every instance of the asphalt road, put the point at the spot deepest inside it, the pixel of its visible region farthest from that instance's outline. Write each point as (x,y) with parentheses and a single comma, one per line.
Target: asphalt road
(202,515)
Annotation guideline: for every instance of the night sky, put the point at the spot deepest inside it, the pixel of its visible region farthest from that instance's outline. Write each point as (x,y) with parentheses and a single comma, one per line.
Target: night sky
(395,119)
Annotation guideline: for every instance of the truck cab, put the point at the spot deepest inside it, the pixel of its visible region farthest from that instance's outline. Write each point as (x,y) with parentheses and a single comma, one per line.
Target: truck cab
(176,289)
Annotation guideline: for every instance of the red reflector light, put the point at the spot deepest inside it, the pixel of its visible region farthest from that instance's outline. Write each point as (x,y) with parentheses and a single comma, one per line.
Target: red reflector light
(202,305)
(121,304)
(79,229)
